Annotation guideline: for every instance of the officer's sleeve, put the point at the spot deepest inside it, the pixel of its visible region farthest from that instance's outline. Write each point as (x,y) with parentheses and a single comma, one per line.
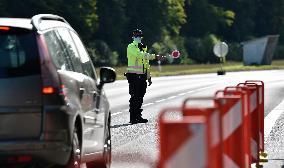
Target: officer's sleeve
(151,56)
(132,50)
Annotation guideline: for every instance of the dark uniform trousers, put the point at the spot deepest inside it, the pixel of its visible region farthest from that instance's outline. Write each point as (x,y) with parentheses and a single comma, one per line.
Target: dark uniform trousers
(137,90)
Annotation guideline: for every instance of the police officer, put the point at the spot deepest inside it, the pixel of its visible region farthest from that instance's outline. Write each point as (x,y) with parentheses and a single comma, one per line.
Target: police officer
(137,76)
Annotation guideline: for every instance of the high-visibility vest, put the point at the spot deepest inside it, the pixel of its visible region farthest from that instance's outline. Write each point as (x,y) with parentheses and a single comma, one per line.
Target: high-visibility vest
(136,59)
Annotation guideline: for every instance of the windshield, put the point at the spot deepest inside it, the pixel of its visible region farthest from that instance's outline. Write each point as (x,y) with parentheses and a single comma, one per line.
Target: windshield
(18,53)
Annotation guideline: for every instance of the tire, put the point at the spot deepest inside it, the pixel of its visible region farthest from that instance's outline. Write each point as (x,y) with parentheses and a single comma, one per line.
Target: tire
(106,160)
(75,159)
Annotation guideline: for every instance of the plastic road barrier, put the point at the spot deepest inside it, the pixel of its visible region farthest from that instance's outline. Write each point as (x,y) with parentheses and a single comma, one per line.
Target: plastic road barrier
(213,120)
(184,143)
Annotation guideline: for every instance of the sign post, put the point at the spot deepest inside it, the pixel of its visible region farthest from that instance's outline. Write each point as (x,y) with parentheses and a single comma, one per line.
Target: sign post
(220,50)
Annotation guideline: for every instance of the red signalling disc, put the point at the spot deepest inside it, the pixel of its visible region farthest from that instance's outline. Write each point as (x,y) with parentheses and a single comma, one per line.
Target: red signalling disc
(175,54)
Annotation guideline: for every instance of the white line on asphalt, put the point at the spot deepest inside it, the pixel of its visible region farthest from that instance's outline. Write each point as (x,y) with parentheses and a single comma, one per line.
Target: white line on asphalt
(172,97)
(205,88)
(113,114)
(144,105)
(181,94)
(158,101)
(272,117)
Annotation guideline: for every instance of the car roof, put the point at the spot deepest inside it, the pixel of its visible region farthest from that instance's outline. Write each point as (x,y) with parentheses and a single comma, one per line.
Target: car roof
(16,22)
(26,23)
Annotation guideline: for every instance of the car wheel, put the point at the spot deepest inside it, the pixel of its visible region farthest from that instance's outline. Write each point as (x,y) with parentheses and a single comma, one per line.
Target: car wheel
(75,159)
(106,160)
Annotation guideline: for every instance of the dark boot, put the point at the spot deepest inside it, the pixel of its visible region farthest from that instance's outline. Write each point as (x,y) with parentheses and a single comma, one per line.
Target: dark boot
(137,118)
(141,120)
(132,119)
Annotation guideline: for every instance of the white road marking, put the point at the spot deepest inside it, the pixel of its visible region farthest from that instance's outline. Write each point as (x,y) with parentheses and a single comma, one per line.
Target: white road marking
(148,104)
(181,94)
(113,114)
(172,97)
(272,117)
(158,101)
(204,88)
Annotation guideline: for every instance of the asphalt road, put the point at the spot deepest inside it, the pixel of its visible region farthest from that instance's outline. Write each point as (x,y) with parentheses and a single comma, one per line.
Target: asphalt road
(136,146)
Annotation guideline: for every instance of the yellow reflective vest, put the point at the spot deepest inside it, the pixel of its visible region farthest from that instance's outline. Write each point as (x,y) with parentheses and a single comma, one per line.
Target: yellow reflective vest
(138,61)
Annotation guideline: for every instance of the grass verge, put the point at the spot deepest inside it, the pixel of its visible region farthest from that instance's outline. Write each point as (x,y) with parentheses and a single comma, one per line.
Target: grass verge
(173,70)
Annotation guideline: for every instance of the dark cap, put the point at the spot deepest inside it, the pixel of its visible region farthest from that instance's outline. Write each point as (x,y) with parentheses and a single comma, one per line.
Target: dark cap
(137,33)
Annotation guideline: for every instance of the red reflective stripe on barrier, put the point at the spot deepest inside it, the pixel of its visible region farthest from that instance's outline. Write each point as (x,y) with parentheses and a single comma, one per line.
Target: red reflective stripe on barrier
(255,119)
(249,145)
(183,142)
(232,120)
(231,92)
(261,108)
(213,120)
(230,134)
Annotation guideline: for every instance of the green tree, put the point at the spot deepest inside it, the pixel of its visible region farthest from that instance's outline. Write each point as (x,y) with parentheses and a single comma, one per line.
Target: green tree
(205,23)
(205,18)
(244,23)
(80,14)
(112,24)
(174,15)
(270,18)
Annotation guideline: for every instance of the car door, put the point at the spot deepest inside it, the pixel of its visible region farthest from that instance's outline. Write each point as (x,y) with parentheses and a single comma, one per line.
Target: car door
(97,115)
(85,89)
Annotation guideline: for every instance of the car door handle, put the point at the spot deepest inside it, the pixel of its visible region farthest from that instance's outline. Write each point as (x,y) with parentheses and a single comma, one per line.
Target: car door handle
(94,92)
(82,90)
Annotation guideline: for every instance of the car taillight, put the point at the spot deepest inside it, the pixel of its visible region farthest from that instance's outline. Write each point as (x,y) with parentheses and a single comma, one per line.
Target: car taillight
(4,28)
(24,158)
(48,90)
(17,159)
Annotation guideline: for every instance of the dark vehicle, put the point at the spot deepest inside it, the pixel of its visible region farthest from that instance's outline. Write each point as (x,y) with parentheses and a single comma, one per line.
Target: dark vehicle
(53,111)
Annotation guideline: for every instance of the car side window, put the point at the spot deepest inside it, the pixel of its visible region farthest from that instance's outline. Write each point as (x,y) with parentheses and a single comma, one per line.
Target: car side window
(70,49)
(88,68)
(56,51)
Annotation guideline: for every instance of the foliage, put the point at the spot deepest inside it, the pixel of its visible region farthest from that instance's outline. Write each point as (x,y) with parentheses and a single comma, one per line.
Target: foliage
(201,49)
(235,52)
(191,26)
(101,54)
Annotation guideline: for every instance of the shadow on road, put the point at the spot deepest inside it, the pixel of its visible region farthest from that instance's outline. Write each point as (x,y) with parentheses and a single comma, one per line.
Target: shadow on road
(120,125)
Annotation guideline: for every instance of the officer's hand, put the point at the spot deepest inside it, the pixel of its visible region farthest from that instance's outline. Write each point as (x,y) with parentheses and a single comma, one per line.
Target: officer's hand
(160,57)
(150,81)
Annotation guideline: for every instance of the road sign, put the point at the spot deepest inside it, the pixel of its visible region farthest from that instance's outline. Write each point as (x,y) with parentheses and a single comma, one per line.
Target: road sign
(220,49)
(175,54)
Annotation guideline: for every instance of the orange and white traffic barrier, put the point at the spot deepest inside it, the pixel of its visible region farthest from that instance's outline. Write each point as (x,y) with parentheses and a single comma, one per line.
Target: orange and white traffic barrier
(260,104)
(245,127)
(184,143)
(228,134)
(255,119)
(213,120)
(232,112)
(260,90)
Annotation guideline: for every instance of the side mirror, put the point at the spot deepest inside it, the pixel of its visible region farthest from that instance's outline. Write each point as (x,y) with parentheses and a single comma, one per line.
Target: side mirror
(107,75)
